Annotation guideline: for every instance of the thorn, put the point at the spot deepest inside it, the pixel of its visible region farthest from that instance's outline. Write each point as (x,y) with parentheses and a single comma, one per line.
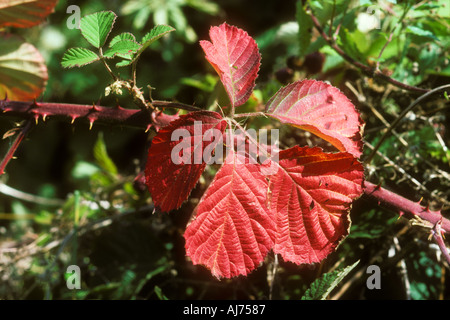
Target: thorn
(34,104)
(420,200)
(400,214)
(95,107)
(36,118)
(44,116)
(73,118)
(91,123)
(148,128)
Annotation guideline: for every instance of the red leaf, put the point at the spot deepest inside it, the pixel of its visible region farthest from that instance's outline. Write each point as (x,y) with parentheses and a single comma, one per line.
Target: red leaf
(169,182)
(233,230)
(23,73)
(24,13)
(310,196)
(235,57)
(321,109)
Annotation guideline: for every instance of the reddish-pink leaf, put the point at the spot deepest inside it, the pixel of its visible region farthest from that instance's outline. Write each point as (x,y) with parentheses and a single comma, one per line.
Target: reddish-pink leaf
(235,57)
(232,231)
(321,109)
(310,196)
(23,73)
(170,176)
(24,13)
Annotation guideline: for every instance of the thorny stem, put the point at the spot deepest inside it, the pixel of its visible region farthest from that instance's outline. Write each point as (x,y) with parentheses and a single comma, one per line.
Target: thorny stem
(9,155)
(437,234)
(401,116)
(109,115)
(368,70)
(432,219)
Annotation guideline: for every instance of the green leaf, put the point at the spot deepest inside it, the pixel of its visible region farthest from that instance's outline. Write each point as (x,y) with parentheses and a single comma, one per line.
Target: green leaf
(154,34)
(78,57)
(123,48)
(420,32)
(102,157)
(321,288)
(96,27)
(304,28)
(122,36)
(124,63)
(204,5)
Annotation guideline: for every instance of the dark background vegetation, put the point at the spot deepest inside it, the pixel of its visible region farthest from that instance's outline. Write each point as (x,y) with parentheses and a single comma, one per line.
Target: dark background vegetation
(127,251)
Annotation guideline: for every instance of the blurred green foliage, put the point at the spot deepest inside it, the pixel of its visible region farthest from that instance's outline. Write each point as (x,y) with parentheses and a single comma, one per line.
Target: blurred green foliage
(103,220)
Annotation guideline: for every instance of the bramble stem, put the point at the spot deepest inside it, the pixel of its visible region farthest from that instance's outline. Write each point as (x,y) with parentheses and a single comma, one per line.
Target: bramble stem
(405,206)
(9,155)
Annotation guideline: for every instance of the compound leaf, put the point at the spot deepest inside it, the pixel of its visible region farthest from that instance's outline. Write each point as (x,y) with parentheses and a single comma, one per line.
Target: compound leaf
(235,57)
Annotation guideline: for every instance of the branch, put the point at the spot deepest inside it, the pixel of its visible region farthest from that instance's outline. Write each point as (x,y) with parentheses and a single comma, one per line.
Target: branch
(405,206)
(93,113)
(366,69)
(9,155)
(431,219)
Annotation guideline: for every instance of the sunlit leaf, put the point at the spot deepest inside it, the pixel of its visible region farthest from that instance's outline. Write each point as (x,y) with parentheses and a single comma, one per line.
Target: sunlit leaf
(321,109)
(78,57)
(96,27)
(235,57)
(23,73)
(24,13)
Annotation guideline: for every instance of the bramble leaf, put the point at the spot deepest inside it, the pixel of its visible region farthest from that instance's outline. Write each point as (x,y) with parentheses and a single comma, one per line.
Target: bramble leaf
(232,231)
(310,197)
(235,57)
(320,109)
(122,36)
(170,177)
(154,34)
(24,13)
(78,57)
(96,27)
(123,48)
(23,73)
